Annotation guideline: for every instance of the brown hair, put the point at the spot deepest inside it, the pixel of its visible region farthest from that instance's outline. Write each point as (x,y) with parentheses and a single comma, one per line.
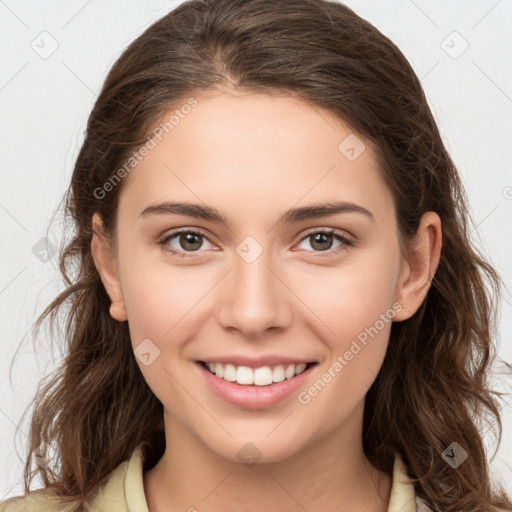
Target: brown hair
(432,388)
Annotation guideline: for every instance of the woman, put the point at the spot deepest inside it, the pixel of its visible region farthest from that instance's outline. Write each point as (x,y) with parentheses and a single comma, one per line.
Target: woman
(324,342)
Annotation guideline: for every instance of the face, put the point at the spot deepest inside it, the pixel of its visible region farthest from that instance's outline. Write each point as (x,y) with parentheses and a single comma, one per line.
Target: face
(280,276)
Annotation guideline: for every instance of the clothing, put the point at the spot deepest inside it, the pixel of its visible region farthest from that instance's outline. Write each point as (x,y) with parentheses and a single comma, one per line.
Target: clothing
(124,492)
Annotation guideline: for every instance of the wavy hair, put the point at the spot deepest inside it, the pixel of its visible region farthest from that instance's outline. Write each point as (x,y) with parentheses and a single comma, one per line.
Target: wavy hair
(433,387)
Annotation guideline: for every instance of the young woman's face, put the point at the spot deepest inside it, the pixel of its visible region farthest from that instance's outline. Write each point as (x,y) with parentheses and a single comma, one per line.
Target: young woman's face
(266,283)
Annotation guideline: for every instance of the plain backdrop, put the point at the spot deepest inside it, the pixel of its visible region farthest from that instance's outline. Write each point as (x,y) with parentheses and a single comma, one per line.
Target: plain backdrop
(54,57)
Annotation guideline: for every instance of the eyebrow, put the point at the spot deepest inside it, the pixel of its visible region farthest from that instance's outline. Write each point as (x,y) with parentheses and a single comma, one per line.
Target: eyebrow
(291,216)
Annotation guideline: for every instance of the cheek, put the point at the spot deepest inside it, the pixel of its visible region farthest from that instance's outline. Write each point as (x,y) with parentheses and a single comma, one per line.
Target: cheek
(155,295)
(355,308)
(348,299)
(358,312)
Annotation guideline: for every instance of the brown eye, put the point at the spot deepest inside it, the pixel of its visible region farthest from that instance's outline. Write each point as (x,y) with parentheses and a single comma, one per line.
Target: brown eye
(323,240)
(189,241)
(186,241)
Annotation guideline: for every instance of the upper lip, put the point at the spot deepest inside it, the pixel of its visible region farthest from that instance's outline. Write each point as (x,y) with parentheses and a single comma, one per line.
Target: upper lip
(257,362)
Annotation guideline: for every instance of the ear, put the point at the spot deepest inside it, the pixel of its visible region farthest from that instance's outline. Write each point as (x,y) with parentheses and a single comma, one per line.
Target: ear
(105,263)
(416,274)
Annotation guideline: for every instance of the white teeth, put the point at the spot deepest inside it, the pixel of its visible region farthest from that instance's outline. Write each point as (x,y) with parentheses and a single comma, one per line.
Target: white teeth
(278,373)
(300,368)
(262,376)
(290,371)
(230,373)
(244,375)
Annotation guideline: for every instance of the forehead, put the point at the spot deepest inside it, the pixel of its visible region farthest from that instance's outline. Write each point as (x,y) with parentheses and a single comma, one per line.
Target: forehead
(253,151)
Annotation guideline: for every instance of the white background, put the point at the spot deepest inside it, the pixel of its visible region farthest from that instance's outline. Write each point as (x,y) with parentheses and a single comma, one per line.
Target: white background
(44,106)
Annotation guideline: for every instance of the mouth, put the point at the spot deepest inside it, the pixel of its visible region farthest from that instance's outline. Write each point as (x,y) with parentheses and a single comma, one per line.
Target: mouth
(256,377)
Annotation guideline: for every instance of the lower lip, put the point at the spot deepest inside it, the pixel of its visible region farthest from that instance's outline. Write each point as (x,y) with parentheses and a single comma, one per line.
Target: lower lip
(254,397)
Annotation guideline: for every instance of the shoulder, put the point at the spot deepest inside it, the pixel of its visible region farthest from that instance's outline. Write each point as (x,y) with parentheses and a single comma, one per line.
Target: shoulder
(109,497)
(40,500)
(125,480)
(403,492)
(421,506)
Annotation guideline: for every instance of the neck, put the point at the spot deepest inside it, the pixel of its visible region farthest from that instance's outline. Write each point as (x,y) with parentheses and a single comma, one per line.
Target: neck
(330,473)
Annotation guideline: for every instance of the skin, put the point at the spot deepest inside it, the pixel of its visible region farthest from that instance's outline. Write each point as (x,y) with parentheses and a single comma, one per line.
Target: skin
(253,157)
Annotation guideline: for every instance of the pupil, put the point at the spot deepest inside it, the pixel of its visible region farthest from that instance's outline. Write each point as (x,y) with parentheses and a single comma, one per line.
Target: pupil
(188,238)
(324,236)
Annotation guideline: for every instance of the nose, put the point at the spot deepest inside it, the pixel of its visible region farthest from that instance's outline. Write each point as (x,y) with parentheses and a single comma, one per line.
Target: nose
(255,296)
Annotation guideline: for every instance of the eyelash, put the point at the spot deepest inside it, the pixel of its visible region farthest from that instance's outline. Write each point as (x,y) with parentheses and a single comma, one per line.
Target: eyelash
(346,242)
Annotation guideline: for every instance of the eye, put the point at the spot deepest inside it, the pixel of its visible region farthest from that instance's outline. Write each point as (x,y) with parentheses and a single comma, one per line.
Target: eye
(188,241)
(322,240)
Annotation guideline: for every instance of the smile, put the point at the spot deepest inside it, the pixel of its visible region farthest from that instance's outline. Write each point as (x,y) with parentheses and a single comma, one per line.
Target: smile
(253,387)
(262,376)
